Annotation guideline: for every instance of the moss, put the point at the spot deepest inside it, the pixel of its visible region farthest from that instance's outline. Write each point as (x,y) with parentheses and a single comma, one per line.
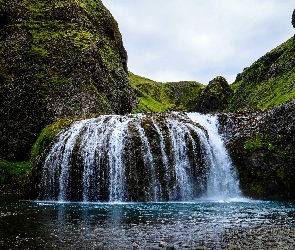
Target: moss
(255,188)
(253,144)
(13,175)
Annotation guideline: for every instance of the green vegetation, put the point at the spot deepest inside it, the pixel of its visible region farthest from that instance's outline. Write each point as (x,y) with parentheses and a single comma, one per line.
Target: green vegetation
(268,82)
(13,174)
(161,97)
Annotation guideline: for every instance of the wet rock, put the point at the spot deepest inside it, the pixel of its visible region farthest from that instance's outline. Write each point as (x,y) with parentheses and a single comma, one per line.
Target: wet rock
(261,144)
(200,248)
(170,248)
(186,245)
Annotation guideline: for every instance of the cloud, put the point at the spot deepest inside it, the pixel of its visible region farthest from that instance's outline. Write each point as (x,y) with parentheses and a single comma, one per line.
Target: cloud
(173,40)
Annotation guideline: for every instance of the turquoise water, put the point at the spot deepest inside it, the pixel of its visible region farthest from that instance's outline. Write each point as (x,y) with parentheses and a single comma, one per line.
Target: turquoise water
(48,225)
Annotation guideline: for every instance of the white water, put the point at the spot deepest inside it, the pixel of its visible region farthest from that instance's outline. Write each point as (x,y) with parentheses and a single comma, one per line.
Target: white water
(101,146)
(223,182)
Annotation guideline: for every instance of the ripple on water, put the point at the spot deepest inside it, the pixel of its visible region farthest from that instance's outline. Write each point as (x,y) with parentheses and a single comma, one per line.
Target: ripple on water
(41,225)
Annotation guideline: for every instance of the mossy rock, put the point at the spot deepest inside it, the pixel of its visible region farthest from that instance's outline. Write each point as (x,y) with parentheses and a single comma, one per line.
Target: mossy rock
(215,96)
(58,59)
(262,147)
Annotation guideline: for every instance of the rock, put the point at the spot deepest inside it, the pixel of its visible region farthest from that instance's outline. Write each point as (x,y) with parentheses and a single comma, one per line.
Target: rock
(261,144)
(231,246)
(200,248)
(293,19)
(215,95)
(170,248)
(135,245)
(162,244)
(186,245)
(63,61)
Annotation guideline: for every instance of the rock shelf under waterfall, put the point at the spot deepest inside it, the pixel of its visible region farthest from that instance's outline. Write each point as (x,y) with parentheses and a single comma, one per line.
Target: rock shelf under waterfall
(151,157)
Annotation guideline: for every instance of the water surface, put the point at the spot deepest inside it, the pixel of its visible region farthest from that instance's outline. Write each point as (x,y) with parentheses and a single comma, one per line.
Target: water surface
(48,225)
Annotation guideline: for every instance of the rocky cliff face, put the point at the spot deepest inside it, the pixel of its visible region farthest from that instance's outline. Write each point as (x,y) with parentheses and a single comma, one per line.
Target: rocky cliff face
(215,96)
(57,59)
(262,146)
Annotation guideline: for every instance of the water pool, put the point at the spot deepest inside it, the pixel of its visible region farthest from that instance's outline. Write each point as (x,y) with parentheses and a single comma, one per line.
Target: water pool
(187,225)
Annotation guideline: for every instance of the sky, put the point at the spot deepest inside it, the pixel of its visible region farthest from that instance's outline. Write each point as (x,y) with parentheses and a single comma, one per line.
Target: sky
(197,40)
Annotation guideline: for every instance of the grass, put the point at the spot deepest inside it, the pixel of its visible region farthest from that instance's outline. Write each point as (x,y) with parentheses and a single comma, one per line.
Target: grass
(161,97)
(268,82)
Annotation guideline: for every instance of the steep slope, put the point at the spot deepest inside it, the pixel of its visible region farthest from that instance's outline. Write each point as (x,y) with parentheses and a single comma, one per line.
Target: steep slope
(58,59)
(160,97)
(268,82)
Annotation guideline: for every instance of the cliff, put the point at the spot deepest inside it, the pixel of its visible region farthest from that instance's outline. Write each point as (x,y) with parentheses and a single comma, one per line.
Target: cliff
(262,146)
(58,59)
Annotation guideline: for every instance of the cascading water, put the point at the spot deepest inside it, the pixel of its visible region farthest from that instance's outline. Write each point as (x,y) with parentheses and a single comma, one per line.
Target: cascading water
(159,157)
(222,179)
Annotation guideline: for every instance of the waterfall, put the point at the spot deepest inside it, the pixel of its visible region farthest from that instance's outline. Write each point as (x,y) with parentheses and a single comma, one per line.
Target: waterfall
(151,157)
(222,176)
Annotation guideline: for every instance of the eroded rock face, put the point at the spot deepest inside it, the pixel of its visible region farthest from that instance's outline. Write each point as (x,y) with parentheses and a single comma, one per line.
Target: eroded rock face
(214,97)
(262,146)
(58,60)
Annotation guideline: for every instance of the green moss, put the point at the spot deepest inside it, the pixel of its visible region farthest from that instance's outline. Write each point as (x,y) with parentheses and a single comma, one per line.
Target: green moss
(13,174)
(260,142)
(253,144)
(255,188)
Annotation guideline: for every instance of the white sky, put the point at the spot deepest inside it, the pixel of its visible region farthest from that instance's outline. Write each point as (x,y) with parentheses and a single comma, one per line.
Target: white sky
(174,40)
